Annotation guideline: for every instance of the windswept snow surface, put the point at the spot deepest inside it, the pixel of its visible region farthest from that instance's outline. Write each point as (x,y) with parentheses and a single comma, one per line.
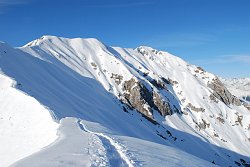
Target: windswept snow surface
(81,83)
(26,125)
(78,146)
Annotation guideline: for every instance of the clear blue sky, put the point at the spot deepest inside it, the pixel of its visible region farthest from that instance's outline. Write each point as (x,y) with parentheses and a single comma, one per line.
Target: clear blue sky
(214,34)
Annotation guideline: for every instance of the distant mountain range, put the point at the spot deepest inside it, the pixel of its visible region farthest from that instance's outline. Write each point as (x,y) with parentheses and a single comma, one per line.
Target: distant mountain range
(79,102)
(240,87)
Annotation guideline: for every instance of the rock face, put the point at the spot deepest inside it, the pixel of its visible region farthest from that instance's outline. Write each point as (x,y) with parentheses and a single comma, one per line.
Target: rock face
(137,96)
(118,78)
(197,109)
(222,94)
(162,106)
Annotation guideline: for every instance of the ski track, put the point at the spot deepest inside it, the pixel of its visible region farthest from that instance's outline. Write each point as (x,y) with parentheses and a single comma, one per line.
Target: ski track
(116,157)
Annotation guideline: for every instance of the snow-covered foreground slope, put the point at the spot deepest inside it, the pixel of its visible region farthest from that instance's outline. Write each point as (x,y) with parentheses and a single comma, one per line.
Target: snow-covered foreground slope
(26,125)
(125,107)
(77,146)
(240,87)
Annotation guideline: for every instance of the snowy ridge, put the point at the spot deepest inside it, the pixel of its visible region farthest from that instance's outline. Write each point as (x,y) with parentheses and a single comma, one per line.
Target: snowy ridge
(26,125)
(163,110)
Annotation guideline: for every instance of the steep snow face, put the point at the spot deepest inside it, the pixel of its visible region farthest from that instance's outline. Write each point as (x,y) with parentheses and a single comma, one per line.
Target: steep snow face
(141,95)
(240,87)
(26,125)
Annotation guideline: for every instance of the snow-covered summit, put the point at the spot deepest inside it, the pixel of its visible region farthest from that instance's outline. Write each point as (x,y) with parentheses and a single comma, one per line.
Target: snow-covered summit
(120,99)
(58,40)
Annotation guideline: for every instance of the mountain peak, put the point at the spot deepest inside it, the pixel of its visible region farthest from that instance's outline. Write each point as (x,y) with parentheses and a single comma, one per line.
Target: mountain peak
(144,94)
(54,39)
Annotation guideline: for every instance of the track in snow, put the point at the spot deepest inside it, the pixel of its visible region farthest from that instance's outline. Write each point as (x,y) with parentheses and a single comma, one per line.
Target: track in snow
(114,153)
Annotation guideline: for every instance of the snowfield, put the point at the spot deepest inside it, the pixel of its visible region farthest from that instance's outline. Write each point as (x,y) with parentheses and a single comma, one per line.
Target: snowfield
(79,102)
(26,125)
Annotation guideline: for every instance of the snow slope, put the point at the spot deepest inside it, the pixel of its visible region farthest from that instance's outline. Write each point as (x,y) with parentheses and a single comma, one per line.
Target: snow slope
(26,125)
(97,149)
(127,107)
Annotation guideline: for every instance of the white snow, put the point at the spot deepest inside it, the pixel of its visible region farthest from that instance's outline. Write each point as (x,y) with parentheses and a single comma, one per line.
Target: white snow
(77,146)
(74,79)
(26,125)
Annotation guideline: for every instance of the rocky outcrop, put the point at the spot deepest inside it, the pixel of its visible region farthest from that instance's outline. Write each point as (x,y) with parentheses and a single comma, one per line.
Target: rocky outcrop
(221,120)
(197,109)
(137,96)
(117,78)
(173,82)
(162,106)
(204,124)
(221,93)
(158,84)
(239,119)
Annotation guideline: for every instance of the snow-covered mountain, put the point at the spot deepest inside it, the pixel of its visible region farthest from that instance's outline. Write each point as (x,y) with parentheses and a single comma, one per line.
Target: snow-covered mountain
(79,102)
(240,87)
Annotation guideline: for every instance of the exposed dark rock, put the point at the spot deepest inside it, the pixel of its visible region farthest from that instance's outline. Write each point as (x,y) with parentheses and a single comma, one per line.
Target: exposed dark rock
(151,120)
(222,94)
(169,133)
(223,140)
(165,80)
(169,81)
(204,124)
(239,119)
(124,109)
(142,51)
(155,51)
(200,68)
(145,74)
(94,65)
(221,120)
(197,109)
(197,71)
(216,135)
(213,98)
(118,78)
(143,100)
(158,84)
(138,97)
(173,82)
(162,106)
